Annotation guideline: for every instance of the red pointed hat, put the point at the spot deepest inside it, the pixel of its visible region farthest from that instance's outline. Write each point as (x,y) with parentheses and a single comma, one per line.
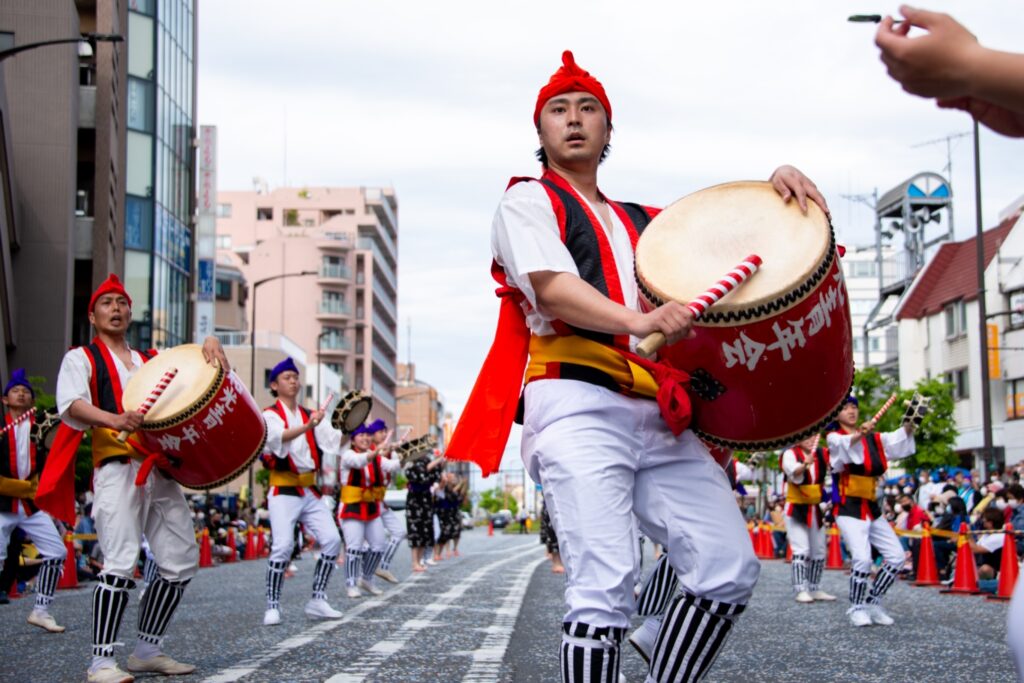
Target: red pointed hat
(571,78)
(110,286)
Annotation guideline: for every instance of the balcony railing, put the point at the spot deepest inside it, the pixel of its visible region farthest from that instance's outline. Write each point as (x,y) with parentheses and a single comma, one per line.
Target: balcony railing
(384,363)
(384,299)
(335,272)
(335,308)
(264,340)
(383,329)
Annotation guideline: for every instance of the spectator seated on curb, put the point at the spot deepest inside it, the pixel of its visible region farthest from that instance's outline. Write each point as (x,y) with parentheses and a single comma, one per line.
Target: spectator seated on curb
(988,550)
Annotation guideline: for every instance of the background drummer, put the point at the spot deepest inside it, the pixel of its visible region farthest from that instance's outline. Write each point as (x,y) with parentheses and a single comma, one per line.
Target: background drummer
(297,441)
(601,453)
(89,389)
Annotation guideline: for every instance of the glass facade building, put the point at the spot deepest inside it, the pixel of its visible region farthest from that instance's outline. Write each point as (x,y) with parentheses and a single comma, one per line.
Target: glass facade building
(160,170)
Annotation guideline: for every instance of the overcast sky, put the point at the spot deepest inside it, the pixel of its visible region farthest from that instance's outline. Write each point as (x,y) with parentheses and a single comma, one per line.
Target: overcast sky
(436,100)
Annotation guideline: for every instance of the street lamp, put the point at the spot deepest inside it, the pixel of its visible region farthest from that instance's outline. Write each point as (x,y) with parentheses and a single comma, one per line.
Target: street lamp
(252,353)
(319,372)
(89,38)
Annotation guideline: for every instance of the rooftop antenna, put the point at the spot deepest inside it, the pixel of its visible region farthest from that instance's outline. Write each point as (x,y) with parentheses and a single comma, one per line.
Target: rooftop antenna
(949,149)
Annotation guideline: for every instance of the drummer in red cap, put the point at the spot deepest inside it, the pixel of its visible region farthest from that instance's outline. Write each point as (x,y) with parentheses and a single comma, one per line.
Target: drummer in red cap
(89,388)
(604,431)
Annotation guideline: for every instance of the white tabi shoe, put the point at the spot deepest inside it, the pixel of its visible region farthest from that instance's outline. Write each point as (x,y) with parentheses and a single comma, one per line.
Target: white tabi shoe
(321,609)
(822,596)
(431,562)
(161,664)
(353,592)
(369,587)
(272,617)
(386,575)
(878,616)
(804,597)
(109,674)
(44,621)
(643,638)
(859,616)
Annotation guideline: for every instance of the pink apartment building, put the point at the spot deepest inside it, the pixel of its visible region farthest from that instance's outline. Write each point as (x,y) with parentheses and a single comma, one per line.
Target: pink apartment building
(344,313)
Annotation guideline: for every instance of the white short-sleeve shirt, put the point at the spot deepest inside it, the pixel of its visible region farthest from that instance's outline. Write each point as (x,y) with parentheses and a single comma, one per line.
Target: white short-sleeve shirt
(525,238)
(73,381)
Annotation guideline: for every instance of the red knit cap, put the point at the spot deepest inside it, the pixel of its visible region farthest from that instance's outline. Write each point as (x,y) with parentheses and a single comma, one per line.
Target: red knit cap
(571,78)
(110,286)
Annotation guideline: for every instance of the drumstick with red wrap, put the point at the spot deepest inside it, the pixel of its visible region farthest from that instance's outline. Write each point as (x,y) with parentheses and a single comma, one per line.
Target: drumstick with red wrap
(17,421)
(733,279)
(882,410)
(161,386)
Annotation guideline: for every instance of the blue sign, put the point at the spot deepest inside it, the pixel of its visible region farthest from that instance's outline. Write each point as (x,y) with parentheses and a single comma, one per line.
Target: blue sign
(204,280)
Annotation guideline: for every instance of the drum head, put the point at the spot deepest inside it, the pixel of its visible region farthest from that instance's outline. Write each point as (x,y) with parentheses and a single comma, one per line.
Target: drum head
(352,411)
(195,380)
(694,242)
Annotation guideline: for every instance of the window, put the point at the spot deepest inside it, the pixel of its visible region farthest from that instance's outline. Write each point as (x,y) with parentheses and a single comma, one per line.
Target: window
(863,269)
(958,378)
(1015,399)
(858,344)
(138,223)
(223,241)
(1016,307)
(140,105)
(861,306)
(223,211)
(265,214)
(955,315)
(139,176)
(223,291)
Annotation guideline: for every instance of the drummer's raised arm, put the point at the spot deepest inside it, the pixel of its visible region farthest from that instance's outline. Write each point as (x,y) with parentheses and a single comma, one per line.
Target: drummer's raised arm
(790,182)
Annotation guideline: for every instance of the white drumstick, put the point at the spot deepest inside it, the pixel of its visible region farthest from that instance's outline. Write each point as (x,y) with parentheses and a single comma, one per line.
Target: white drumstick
(733,279)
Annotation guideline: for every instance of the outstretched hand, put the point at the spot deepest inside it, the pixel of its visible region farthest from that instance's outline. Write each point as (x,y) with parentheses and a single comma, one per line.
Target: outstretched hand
(791,183)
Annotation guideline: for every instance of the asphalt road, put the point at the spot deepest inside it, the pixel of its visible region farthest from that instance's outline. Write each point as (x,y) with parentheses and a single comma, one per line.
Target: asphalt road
(494,615)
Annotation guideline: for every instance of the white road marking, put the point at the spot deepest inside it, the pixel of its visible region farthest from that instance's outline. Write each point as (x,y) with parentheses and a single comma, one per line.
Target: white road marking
(376,655)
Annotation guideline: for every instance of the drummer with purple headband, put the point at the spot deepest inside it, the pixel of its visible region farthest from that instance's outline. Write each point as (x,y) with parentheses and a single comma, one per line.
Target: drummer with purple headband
(604,431)
(395,527)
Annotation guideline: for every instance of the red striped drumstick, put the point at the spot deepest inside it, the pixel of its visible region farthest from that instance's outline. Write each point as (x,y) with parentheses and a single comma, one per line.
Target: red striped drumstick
(885,407)
(17,421)
(733,279)
(158,390)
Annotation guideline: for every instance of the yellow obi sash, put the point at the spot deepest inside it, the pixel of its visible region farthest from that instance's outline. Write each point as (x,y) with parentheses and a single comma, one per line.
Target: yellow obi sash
(286,478)
(24,489)
(105,445)
(549,351)
(858,486)
(350,495)
(808,494)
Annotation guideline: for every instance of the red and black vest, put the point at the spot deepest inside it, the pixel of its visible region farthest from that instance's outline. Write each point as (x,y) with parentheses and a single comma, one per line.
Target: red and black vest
(856,483)
(286,464)
(369,477)
(807,512)
(9,467)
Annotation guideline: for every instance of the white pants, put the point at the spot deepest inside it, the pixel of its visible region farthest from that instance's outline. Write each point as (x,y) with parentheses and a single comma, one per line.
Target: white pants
(806,540)
(124,512)
(357,531)
(603,457)
(392,524)
(860,535)
(38,527)
(287,511)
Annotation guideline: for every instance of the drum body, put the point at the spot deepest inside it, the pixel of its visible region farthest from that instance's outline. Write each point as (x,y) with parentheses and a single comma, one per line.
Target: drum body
(206,423)
(772,361)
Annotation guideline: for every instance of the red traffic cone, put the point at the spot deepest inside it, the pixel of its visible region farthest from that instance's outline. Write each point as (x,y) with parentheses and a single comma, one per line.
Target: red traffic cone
(261,542)
(13,594)
(789,553)
(69,577)
(835,551)
(1008,567)
(767,547)
(205,553)
(927,571)
(250,544)
(753,535)
(231,545)
(490,527)
(965,580)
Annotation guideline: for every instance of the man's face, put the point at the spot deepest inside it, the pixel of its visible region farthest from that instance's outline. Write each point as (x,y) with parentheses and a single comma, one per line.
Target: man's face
(959,479)
(361,441)
(18,397)
(287,384)
(573,127)
(848,415)
(112,314)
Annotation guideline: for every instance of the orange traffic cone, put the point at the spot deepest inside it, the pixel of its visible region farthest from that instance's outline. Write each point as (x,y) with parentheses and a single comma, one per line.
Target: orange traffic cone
(835,551)
(927,571)
(69,577)
(767,542)
(250,544)
(231,545)
(205,553)
(789,553)
(1008,567)
(490,527)
(261,542)
(965,580)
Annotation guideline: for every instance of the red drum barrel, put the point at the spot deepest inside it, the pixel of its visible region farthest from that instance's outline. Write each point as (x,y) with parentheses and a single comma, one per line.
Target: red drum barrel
(772,361)
(205,422)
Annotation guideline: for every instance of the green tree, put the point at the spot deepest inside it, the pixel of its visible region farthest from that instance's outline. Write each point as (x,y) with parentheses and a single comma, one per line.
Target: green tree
(83,458)
(937,433)
(495,499)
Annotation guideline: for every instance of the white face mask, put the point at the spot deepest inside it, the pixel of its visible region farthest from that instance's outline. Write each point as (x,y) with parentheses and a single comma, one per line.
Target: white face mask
(907,489)
(897,508)
(923,480)
(940,510)
(1013,503)
(1000,504)
(984,490)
